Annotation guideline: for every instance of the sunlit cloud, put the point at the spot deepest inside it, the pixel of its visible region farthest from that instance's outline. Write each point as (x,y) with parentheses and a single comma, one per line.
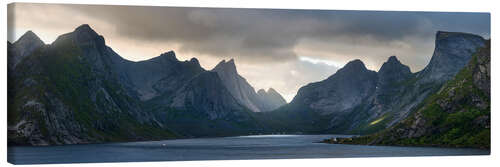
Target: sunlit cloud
(318,61)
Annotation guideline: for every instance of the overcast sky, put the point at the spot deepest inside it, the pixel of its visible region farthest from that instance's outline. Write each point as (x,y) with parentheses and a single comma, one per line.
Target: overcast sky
(282,49)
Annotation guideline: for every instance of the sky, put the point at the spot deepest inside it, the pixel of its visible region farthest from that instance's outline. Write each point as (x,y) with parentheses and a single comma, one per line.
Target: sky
(278,48)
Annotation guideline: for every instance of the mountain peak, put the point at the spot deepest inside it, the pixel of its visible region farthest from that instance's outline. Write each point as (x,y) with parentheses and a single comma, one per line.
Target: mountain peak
(271,99)
(355,64)
(393,64)
(23,47)
(271,90)
(451,53)
(170,55)
(194,60)
(261,92)
(393,59)
(85,28)
(85,33)
(228,66)
(231,61)
(29,37)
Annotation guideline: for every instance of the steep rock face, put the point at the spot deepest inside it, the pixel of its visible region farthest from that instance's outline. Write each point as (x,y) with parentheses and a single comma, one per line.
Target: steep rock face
(355,105)
(160,75)
(67,93)
(78,90)
(270,100)
(237,85)
(457,116)
(23,47)
(452,52)
(243,92)
(206,94)
(392,77)
(341,92)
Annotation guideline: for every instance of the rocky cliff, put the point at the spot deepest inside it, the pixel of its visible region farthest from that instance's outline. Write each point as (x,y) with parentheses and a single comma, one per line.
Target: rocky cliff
(243,91)
(65,93)
(458,115)
(358,101)
(78,90)
(341,92)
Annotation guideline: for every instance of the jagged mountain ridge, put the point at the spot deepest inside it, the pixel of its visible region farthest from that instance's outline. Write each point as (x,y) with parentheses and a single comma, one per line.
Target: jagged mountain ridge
(78,90)
(244,92)
(456,116)
(390,95)
(62,93)
(184,99)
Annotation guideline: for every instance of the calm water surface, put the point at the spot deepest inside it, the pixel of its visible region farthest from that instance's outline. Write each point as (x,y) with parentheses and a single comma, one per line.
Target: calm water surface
(225,148)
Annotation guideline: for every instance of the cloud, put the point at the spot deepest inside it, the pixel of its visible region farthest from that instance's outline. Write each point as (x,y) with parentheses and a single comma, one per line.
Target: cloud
(263,36)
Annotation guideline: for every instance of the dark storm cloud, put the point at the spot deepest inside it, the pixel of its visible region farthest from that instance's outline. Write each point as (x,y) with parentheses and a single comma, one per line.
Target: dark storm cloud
(266,35)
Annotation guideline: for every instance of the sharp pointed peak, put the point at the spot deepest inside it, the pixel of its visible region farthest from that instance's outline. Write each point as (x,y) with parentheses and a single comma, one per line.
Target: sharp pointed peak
(29,36)
(393,64)
(29,33)
(392,59)
(226,65)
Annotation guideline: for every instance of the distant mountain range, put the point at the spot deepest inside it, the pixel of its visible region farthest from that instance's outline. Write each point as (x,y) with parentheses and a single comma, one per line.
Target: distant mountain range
(78,90)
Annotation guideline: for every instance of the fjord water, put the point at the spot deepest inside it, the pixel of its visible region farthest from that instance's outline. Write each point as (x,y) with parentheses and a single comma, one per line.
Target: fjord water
(223,148)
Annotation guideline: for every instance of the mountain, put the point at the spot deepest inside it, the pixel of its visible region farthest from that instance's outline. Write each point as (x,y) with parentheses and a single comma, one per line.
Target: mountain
(78,90)
(452,52)
(271,99)
(347,88)
(359,101)
(458,115)
(159,76)
(325,106)
(237,85)
(23,47)
(390,74)
(65,93)
(243,92)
